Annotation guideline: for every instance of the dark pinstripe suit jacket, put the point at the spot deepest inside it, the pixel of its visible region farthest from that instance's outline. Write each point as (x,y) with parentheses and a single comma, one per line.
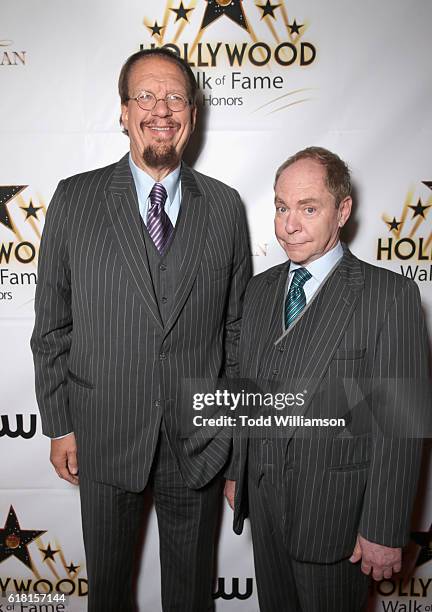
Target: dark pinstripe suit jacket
(106,366)
(361,352)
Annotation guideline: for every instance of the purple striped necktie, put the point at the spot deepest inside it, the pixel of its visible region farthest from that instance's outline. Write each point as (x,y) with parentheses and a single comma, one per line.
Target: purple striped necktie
(159,225)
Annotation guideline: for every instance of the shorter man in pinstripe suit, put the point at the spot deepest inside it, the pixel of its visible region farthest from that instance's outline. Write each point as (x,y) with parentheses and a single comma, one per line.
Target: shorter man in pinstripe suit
(142,270)
(329,507)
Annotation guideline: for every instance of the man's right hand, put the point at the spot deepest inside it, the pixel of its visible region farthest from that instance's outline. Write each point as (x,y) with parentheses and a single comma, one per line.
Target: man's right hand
(229,492)
(64,458)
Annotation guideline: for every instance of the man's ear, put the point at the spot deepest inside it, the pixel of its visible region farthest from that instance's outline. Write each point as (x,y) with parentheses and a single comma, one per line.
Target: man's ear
(344,211)
(124,117)
(194,111)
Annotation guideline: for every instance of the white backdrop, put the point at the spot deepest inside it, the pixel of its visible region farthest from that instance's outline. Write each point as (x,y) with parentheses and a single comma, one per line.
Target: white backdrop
(350,76)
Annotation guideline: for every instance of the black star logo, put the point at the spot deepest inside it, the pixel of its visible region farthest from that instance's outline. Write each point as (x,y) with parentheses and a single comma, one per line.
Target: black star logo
(72,568)
(232,9)
(31,211)
(156,29)
(182,12)
(48,553)
(294,27)
(419,209)
(7,193)
(268,9)
(14,540)
(393,225)
(424,540)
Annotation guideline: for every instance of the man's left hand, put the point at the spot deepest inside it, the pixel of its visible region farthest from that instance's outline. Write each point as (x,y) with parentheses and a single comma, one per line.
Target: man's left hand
(383,561)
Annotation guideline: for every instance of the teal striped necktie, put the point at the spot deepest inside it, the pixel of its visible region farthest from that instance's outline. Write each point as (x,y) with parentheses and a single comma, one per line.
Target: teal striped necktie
(296,298)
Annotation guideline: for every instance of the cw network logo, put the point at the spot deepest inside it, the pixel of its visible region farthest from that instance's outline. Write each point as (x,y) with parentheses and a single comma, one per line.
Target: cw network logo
(18,430)
(222,593)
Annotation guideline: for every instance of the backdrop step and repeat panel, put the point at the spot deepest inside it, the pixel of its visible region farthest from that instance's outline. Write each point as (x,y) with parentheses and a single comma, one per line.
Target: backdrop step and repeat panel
(275,76)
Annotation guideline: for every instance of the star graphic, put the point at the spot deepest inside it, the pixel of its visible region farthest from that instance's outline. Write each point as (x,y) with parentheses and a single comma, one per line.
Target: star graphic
(424,540)
(48,553)
(156,29)
(268,9)
(419,209)
(294,27)
(7,193)
(428,184)
(72,568)
(393,225)
(14,540)
(31,211)
(182,12)
(231,8)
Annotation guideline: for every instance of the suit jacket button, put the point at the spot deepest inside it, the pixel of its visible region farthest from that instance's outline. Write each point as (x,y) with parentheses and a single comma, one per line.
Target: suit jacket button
(157,404)
(164,300)
(162,267)
(162,356)
(275,372)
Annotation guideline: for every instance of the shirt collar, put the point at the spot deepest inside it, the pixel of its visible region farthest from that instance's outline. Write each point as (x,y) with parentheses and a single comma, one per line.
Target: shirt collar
(319,268)
(144,182)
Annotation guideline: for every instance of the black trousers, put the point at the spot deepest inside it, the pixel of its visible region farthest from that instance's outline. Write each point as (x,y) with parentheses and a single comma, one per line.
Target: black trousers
(187,520)
(287,585)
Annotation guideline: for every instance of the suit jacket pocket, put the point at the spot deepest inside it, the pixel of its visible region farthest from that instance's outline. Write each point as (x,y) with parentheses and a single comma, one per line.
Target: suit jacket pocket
(351,354)
(79,381)
(349,467)
(216,274)
(342,510)
(322,515)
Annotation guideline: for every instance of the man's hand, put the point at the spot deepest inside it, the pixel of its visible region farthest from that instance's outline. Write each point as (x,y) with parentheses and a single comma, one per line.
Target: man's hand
(382,560)
(229,492)
(64,458)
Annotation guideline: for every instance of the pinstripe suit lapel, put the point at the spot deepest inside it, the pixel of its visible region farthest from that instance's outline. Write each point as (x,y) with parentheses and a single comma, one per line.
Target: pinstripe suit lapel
(270,317)
(125,222)
(191,233)
(337,305)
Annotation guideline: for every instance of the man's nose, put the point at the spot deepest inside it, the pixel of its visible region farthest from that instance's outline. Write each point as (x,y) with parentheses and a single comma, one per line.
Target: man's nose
(292,223)
(161,109)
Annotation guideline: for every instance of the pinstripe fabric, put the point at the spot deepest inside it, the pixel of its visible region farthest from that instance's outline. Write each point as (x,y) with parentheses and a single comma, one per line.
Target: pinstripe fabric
(287,585)
(360,350)
(113,517)
(163,270)
(98,336)
(187,527)
(187,524)
(111,369)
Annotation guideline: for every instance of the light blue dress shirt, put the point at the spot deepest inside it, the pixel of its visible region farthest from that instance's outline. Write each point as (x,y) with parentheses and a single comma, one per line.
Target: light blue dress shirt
(144,184)
(319,269)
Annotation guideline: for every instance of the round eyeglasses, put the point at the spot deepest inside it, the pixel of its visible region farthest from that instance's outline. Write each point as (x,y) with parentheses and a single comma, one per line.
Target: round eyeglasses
(147,101)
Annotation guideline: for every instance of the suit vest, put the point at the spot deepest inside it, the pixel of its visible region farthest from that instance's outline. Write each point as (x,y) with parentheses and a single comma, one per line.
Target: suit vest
(281,367)
(163,270)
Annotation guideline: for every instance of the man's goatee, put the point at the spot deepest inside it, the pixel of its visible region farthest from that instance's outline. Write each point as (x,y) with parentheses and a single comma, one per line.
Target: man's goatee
(154,158)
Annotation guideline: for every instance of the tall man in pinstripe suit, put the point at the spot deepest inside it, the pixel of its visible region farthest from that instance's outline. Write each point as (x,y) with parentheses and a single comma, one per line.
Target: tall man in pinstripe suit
(329,506)
(143,266)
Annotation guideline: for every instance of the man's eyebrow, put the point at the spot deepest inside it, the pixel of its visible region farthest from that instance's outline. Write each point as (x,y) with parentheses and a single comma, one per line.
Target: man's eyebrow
(308,201)
(279,200)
